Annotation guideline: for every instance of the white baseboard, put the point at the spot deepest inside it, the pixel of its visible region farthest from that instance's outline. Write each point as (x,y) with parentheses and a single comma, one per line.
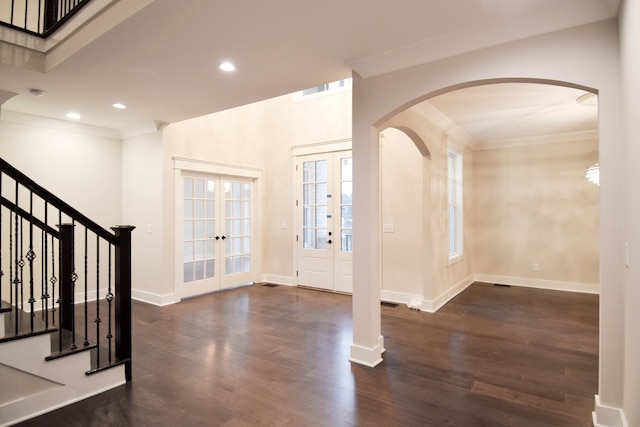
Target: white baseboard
(279,280)
(397,297)
(589,288)
(608,416)
(431,306)
(155,299)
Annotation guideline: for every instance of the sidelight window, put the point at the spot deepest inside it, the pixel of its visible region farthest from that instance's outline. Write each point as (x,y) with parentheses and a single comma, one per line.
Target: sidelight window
(455,212)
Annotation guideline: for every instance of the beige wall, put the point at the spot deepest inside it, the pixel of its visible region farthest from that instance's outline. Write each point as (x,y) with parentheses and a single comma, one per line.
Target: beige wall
(79,164)
(142,196)
(533,205)
(401,197)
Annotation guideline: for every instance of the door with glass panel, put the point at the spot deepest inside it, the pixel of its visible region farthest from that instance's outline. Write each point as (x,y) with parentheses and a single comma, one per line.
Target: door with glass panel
(324,221)
(217,232)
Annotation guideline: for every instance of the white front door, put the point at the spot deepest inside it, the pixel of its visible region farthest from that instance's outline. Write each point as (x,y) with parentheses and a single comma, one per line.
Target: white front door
(216,233)
(324,221)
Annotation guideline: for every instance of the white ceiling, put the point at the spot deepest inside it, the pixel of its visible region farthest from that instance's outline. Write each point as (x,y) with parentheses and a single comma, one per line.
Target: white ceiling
(162,61)
(516,113)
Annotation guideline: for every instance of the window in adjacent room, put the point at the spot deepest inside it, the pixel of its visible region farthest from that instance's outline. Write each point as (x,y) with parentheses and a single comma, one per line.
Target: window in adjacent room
(328,87)
(455,215)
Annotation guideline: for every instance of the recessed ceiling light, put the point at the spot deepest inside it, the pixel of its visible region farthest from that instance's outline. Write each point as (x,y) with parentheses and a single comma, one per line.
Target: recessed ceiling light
(119,106)
(73,116)
(227,66)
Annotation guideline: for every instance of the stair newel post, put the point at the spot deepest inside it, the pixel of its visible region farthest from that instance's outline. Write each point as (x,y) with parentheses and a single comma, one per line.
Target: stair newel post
(123,295)
(67,282)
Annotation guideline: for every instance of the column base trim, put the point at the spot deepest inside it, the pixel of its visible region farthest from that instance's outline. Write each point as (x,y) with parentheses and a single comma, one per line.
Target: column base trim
(370,357)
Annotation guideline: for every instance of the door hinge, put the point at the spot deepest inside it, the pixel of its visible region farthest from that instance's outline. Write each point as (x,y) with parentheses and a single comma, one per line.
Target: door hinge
(296,273)
(296,203)
(296,168)
(296,237)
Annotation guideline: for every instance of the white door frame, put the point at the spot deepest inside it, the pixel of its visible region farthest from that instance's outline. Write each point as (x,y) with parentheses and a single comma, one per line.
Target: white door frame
(184,165)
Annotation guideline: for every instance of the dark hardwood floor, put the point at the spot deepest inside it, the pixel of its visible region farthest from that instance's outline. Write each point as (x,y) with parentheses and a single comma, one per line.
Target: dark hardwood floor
(261,356)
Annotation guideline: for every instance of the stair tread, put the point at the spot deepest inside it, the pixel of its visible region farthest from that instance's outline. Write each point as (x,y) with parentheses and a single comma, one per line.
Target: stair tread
(5,307)
(64,343)
(27,325)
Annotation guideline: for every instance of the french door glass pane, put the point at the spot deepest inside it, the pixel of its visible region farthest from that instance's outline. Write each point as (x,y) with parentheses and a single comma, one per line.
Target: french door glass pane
(188,230)
(199,228)
(309,241)
(314,204)
(198,208)
(199,188)
(188,188)
(237,227)
(188,251)
(321,171)
(308,172)
(346,210)
(188,272)
(188,209)
(209,268)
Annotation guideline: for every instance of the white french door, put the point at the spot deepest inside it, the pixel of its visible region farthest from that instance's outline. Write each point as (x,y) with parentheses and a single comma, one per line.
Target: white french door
(217,232)
(324,221)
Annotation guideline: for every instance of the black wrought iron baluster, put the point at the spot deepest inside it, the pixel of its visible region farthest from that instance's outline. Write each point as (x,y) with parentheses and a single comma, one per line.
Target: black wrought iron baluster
(97,320)
(16,280)
(31,255)
(1,272)
(45,269)
(40,30)
(21,263)
(86,287)
(10,255)
(53,281)
(109,297)
(43,275)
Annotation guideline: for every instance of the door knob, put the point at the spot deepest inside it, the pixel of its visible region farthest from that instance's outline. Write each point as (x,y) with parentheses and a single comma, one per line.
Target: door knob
(329,241)
(217,237)
(223,237)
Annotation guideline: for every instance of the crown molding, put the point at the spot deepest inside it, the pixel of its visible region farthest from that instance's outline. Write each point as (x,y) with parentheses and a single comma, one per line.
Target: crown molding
(55,124)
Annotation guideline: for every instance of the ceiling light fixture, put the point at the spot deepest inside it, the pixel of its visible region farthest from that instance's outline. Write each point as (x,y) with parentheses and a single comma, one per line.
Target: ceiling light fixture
(74,116)
(119,106)
(36,92)
(593,173)
(227,66)
(588,99)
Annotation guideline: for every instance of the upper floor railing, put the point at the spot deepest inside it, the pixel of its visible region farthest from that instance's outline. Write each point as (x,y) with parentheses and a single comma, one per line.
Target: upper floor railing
(38,17)
(61,272)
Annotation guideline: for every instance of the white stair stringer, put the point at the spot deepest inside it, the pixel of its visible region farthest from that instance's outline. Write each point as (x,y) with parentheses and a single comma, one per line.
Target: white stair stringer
(69,372)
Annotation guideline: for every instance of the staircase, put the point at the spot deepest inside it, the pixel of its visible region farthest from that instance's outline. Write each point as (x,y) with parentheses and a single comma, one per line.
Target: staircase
(65,301)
